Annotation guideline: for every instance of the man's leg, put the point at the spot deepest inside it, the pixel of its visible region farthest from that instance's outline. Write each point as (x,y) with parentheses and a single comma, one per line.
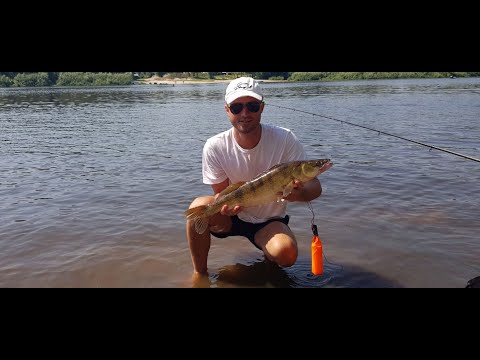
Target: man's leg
(200,243)
(278,243)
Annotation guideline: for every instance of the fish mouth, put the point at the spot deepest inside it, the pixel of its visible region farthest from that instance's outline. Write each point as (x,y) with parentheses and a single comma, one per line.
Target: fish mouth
(327,164)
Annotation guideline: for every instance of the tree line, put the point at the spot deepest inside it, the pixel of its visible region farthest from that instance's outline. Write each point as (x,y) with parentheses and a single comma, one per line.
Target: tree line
(36,79)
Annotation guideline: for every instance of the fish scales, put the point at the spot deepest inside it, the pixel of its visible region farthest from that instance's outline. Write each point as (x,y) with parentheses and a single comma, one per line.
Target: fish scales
(271,185)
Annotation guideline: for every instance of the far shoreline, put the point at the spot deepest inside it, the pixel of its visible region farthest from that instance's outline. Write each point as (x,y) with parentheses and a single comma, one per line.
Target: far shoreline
(156,80)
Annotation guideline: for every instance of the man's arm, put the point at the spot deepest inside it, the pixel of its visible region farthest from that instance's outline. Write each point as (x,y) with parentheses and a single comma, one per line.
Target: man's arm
(220,186)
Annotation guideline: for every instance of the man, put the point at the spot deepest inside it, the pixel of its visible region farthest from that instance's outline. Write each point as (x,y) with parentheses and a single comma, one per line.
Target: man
(239,154)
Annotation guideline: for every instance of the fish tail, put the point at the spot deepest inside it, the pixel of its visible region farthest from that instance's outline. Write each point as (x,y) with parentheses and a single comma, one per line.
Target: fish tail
(197,215)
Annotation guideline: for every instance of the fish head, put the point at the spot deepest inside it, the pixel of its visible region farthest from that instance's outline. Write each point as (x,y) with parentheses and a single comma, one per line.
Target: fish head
(313,168)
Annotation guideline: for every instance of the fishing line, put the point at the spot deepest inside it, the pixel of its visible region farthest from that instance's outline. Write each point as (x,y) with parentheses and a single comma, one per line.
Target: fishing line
(384,133)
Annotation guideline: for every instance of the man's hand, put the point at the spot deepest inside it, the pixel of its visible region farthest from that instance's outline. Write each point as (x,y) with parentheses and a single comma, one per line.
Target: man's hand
(304,191)
(297,192)
(230,211)
(227,211)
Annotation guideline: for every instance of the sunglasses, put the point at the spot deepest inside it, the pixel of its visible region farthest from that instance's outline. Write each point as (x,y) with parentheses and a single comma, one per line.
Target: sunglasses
(237,108)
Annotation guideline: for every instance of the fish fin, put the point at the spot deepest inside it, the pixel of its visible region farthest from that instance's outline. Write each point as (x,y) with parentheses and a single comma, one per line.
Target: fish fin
(288,189)
(201,224)
(196,214)
(231,188)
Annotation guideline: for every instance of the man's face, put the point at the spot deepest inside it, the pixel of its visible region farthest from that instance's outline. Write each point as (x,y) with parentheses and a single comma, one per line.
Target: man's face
(245,113)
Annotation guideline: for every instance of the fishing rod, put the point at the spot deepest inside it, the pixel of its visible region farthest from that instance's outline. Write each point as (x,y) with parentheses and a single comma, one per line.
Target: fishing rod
(382,132)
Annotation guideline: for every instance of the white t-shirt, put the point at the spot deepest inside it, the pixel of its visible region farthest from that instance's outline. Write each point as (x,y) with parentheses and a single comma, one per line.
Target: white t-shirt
(223,158)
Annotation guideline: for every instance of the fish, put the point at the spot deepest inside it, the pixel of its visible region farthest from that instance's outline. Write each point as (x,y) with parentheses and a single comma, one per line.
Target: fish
(269,186)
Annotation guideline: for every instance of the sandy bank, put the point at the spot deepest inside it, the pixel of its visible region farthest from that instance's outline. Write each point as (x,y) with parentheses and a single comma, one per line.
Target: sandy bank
(156,80)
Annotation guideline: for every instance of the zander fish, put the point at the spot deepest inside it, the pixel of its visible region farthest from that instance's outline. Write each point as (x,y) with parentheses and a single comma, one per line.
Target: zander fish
(271,185)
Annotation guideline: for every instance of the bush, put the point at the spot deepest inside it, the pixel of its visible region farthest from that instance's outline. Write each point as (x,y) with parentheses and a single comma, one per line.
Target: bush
(93,79)
(34,79)
(5,81)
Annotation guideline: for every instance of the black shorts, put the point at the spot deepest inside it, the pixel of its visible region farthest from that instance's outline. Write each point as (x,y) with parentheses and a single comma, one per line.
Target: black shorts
(243,228)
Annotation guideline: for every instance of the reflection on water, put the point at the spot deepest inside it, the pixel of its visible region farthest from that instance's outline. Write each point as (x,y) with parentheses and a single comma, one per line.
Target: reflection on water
(258,274)
(94,183)
(266,274)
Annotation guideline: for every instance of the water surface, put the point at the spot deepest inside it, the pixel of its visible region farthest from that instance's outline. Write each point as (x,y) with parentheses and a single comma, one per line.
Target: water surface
(94,182)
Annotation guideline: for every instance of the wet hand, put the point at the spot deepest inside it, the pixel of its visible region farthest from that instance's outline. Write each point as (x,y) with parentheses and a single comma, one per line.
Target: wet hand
(227,211)
(296,193)
(230,211)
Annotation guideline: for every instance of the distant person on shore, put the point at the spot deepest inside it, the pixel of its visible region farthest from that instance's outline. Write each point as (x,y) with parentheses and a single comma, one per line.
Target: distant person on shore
(237,155)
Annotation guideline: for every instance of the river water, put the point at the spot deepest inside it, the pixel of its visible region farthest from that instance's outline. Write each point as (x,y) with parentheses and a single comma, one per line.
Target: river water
(94,182)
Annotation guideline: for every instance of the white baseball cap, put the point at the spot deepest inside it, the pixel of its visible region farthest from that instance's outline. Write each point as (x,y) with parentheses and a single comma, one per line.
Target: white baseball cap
(244,86)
